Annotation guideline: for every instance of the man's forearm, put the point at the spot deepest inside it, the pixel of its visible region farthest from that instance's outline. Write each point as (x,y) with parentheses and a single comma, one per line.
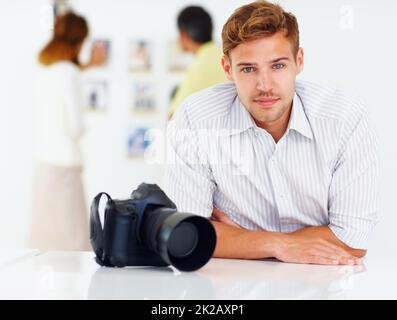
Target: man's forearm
(307,245)
(242,243)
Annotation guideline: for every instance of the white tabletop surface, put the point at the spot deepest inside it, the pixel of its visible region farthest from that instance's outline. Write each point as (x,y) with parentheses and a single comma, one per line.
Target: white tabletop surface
(75,275)
(13,255)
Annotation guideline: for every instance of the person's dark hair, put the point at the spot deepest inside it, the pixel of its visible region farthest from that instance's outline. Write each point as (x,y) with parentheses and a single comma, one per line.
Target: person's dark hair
(70,30)
(197,23)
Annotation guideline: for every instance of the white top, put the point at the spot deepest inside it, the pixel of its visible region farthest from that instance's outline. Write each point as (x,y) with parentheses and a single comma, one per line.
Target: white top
(323,171)
(75,275)
(59,115)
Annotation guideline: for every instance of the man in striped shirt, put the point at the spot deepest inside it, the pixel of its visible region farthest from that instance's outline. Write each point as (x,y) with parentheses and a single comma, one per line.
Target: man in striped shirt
(283,168)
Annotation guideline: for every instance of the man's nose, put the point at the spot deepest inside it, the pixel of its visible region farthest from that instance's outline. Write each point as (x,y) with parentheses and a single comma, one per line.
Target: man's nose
(264,82)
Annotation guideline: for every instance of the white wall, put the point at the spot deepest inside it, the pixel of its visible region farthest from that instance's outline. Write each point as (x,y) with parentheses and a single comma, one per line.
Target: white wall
(349,44)
(21,32)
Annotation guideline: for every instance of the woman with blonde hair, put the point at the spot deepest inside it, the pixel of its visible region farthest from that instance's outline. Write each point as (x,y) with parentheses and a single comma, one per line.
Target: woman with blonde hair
(59,213)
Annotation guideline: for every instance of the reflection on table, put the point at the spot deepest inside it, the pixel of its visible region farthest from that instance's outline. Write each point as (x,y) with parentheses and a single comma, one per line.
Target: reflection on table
(75,275)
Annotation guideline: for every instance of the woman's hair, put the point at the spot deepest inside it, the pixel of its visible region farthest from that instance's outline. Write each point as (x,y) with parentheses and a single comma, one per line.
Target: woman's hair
(257,20)
(70,30)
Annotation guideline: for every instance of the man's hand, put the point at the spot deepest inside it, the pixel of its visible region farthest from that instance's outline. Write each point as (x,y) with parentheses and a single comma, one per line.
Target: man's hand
(296,248)
(324,232)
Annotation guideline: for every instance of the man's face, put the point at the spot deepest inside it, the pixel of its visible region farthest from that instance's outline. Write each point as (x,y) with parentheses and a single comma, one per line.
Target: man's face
(264,73)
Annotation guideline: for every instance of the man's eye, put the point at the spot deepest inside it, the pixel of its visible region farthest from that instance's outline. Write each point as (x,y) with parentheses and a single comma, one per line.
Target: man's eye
(248,69)
(278,66)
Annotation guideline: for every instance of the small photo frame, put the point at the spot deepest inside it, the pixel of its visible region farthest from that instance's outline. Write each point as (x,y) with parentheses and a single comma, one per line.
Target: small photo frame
(144,97)
(97,95)
(178,60)
(137,142)
(100,52)
(95,52)
(140,56)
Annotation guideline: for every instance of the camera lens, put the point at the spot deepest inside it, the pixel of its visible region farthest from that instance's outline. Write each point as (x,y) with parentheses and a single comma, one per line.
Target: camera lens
(183,240)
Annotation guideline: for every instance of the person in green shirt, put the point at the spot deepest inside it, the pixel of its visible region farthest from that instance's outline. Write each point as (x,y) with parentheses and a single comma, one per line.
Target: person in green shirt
(195,36)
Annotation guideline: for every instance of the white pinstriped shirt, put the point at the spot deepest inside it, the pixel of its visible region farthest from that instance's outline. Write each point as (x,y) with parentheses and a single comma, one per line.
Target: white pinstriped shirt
(323,171)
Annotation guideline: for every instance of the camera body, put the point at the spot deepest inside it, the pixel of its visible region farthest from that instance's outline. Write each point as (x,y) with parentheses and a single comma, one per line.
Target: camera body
(147,230)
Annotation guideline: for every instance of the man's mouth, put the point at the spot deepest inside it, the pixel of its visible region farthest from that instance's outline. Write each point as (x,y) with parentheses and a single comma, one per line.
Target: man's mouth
(266,102)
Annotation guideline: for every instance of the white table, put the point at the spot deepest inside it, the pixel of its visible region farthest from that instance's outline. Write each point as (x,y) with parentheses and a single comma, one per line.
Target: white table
(9,256)
(75,275)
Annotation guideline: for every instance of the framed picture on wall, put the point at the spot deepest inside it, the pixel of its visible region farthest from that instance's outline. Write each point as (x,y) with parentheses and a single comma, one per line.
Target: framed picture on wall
(140,56)
(96,95)
(96,51)
(178,60)
(144,97)
(137,142)
(100,51)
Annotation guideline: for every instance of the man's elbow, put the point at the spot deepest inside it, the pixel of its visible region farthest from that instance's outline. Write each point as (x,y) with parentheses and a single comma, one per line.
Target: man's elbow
(359,253)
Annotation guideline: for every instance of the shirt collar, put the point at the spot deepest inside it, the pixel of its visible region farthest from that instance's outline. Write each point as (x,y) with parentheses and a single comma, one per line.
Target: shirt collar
(298,120)
(240,119)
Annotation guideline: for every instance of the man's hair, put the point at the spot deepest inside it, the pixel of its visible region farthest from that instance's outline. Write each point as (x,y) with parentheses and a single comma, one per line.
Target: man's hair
(70,30)
(197,23)
(257,20)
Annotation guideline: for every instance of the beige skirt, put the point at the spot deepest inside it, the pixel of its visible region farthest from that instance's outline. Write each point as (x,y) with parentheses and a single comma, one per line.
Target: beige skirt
(59,214)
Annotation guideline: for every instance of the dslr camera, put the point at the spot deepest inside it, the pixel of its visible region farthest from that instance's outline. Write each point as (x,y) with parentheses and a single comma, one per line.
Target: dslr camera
(147,230)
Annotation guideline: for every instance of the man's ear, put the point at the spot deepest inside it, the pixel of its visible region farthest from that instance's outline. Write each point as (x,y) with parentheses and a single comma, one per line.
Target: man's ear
(300,60)
(227,67)
(184,40)
(183,35)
